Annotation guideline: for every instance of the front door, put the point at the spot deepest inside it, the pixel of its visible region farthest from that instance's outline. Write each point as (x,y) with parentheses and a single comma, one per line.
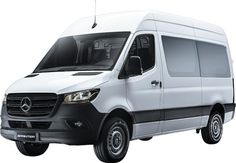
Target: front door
(144,91)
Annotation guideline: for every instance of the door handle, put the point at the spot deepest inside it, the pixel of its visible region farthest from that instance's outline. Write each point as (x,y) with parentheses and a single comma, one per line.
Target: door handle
(155,83)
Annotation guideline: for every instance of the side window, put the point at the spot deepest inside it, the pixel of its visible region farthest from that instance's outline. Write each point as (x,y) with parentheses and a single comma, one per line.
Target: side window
(181,57)
(213,60)
(143,46)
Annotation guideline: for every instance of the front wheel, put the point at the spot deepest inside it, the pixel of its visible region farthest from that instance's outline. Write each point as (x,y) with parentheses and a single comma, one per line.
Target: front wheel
(212,133)
(31,149)
(113,142)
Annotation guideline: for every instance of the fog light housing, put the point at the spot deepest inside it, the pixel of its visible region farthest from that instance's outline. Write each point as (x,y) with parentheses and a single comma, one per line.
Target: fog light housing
(76,124)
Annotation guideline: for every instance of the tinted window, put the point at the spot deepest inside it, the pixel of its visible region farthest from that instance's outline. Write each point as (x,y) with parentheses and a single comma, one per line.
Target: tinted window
(143,46)
(213,60)
(181,57)
(84,52)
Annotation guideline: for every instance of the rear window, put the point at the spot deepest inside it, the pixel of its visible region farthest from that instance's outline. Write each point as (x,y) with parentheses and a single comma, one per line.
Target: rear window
(190,58)
(213,60)
(181,57)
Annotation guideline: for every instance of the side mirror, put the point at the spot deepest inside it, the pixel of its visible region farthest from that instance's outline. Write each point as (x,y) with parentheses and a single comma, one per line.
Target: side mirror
(134,67)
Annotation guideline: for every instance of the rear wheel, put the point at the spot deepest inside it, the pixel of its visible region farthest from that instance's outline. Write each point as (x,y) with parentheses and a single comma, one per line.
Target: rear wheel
(31,149)
(212,133)
(114,141)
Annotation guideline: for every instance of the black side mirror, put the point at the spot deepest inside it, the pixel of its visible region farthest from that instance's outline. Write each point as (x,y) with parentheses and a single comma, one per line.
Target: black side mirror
(134,67)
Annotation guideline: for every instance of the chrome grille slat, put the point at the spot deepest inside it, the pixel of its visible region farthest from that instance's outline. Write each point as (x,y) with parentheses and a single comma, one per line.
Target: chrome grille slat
(42,104)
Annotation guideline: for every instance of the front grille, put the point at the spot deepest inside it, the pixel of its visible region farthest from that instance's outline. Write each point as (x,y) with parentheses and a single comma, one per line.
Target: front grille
(29,125)
(42,104)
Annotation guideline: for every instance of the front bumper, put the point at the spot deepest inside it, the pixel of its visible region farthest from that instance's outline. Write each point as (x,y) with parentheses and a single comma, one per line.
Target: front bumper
(74,124)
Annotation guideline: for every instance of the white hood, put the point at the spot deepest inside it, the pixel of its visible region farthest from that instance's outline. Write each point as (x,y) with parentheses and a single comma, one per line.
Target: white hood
(58,82)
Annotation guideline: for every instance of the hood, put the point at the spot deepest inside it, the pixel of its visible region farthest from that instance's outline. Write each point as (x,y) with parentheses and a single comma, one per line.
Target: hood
(59,82)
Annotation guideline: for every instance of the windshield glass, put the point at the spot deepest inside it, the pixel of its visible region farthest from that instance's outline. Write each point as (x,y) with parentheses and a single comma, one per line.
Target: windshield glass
(84,53)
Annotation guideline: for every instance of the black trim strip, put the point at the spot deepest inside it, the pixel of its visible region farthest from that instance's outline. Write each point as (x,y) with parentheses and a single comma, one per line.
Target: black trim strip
(176,113)
(229,107)
(233,91)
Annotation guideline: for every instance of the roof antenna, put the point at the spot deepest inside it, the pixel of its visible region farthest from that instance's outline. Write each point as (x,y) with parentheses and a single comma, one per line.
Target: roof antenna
(95,15)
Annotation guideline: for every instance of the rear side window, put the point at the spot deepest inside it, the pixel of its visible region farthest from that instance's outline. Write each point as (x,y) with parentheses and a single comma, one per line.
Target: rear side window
(181,57)
(143,46)
(213,60)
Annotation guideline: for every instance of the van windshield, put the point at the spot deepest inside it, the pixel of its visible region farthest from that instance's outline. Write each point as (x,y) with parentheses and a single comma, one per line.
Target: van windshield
(84,53)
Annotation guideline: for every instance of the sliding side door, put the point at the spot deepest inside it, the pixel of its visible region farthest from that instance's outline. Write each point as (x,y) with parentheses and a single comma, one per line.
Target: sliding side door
(181,82)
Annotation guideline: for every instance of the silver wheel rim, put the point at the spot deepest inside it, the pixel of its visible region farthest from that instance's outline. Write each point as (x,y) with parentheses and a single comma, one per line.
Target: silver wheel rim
(116,141)
(216,127)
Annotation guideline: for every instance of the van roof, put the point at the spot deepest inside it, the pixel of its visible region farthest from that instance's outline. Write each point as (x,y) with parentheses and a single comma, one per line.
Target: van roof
(134,21)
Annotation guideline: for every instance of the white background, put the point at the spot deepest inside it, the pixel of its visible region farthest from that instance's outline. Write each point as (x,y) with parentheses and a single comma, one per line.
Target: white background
(29,27)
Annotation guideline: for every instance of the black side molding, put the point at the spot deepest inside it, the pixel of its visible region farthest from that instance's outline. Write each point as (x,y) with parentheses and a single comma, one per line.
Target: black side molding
(176,113)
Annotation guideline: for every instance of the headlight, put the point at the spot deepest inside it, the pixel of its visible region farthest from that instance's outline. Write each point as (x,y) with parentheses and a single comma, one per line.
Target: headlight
(81,96)
(4,102)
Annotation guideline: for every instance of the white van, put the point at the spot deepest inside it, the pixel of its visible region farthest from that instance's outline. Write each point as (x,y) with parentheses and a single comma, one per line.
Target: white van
(129,76)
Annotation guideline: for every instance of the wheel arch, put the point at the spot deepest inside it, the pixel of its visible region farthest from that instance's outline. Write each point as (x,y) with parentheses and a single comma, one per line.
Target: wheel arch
(220,108)
(121,113)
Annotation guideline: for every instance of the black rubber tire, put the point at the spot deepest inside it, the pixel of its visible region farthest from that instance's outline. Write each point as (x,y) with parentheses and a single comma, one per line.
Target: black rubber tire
(207,132)
(31,149)
(146,139)
(103,148)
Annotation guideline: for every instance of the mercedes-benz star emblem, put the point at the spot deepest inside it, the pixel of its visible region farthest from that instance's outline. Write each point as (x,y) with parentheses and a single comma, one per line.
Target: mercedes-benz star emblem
(26,104)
